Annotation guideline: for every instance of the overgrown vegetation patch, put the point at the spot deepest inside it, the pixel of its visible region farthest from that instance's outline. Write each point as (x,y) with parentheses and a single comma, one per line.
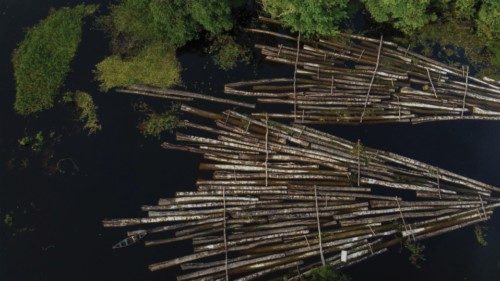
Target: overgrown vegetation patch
(42,60)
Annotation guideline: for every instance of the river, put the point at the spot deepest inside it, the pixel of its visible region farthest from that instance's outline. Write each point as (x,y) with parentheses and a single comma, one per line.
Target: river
(57,232)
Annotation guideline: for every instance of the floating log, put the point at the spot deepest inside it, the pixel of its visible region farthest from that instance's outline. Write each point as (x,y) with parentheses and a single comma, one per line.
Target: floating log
(355,79)
(285,199)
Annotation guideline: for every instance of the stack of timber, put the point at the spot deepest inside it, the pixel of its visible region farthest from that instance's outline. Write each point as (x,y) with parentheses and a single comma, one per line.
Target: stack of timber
(356,79)
(285,199)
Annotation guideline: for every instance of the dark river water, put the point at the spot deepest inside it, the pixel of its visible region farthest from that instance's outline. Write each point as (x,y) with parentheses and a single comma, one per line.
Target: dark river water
(57,234)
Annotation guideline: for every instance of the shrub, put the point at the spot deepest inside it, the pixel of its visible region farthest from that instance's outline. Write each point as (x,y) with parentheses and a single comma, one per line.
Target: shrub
(153,66)
(42,60)
(87,109)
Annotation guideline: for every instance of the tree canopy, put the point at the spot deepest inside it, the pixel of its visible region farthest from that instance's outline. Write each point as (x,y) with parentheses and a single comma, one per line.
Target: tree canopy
(311,17)
(172,22)
(42,60)
(406,16)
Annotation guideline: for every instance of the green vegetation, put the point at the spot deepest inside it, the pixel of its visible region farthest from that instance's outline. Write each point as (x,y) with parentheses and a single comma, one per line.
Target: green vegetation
(35,143)
(137,23)
(8,220)
(42,60)
(158,123)
(416,253)
(227,52)
(311,17)
(87,109)
(407,16)
(325,273)
(154,66)
(480,235)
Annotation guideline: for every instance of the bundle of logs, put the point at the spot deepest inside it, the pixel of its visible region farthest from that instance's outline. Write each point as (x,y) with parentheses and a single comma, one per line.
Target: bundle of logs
(355,79)
(285,199)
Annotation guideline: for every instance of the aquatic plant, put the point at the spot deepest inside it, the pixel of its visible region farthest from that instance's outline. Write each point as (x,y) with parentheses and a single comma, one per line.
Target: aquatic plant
(154,66)
(480,235)
(227,53)
(8,220)
(416,253)
(158,123)
(87,110)
(325,273)
(42,60)
(35,142)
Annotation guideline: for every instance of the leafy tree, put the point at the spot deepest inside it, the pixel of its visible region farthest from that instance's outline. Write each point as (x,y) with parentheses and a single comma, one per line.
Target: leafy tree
(488,20)
(407,16)
(42,60)
(311,17)
(136,23)
(213,15)
(154,66)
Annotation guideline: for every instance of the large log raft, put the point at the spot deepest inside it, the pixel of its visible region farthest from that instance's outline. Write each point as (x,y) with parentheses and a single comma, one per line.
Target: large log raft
(356,79)
(289,198)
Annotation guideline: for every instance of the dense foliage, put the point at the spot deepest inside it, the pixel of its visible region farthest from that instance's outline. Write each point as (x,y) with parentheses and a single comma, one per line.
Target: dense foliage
(154,66)
(311,17)
(86,108)
(473,25)
(135,23)
(42,60)
(406,16)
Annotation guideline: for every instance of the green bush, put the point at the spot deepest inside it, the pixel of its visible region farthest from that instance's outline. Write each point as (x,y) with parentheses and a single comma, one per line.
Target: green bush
(311,17)
(153,66)
(87,109)
(42,60)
